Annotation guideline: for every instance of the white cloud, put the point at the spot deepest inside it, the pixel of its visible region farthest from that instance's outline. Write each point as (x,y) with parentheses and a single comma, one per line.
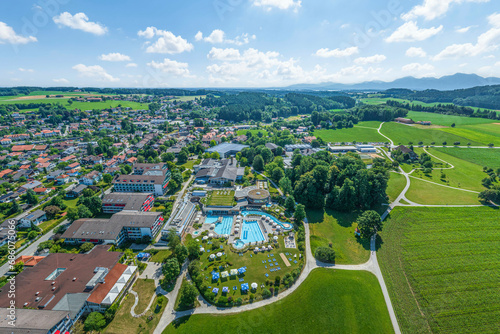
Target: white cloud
(415,52)
(375,59)
(171,67)
(280,4)
(131,65)
(410,32)
(95,72)
(327,53)
(486,42)
(224,54)
(79,21)
(219,37)
(463,30)
(431,9)
(61,80)
(167,42)
(419,70)
(114,57)
(8,35)
(26,70)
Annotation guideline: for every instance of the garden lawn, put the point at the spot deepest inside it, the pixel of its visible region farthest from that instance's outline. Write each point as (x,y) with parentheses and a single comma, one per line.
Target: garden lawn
(161,256)
(479,156)
(397,183)
(338,228)
(255,268)
(357,133)
(125,323)
(221,198)
(441,267)
(145,288)
(327,301)
(422,192)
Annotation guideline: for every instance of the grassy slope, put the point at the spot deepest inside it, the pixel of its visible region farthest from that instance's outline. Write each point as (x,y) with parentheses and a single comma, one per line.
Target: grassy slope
(483,133)
(465,175)
(145,288)
(356,133)
(328,301)
(479,156)
(422,192)
(441,268)
(446,120)
(404,134)
(338,228)
(80,105)
(396,184)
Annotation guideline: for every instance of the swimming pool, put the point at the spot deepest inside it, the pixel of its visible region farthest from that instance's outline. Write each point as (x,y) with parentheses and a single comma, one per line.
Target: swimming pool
(251,232)
(221,228)
(285,226)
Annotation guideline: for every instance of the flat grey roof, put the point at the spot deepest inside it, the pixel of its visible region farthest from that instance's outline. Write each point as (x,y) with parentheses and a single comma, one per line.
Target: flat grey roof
(30,321)
(226,147)
(132,201)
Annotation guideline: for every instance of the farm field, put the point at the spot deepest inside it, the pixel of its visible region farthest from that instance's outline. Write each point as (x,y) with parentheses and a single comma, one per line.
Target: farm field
(348,302)
(479,156)
(446,120)
(189,98)
(79,105)
(422,192)
(483,133)
(338,228)
(441,268)
(357,133)
(397,183)
(403,134)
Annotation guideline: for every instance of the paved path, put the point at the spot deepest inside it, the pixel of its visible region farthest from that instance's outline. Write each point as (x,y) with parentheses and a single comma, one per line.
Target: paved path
(311,263)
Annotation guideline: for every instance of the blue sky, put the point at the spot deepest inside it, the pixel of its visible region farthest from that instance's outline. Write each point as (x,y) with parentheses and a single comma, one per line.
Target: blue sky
(243,43)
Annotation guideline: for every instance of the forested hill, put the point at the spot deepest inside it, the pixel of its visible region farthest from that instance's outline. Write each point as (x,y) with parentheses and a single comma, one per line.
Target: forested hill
(262,107)
(482,97)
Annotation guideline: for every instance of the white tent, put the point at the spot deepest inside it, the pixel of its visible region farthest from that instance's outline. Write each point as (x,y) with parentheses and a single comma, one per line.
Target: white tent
(219,254)
(211,235)
(212,256)
(275,237)
(256,249)
(202,249)
(205,238)
(254,285)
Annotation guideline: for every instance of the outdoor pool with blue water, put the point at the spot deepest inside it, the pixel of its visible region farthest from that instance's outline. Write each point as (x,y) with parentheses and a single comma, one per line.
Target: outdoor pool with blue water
(285,226)
(251,232)
(221,228)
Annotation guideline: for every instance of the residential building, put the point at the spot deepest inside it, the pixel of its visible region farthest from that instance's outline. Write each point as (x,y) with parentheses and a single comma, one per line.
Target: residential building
(76,191)
(34,218)
(90,178)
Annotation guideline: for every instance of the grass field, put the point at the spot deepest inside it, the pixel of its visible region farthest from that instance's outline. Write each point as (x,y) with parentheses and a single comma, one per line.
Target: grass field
(465,175)
(145,288)
(256,269)
(80,105)
(441,267)
(482,133)
(403,134)
(161,256)
(125,323)
(358,133)
(189,98)
(479,156)
(328,301)
(338,228)
(253,132)
(422,192)
(397,183)
(221,198)
(446,120)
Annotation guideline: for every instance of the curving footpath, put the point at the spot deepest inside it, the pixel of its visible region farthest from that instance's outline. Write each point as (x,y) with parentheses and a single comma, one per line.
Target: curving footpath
(311,263)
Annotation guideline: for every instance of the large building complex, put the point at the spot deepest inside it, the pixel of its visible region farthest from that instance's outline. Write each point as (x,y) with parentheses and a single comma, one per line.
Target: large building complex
(57,291)
(147,178)
(116,202)
(122,226)
(218,172)
(226,149)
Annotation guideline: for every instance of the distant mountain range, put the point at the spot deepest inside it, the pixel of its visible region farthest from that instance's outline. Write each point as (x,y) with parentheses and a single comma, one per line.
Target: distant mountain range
(450,82)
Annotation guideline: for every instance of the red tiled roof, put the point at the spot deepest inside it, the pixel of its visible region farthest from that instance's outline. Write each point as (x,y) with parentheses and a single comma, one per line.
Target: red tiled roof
(102,290)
